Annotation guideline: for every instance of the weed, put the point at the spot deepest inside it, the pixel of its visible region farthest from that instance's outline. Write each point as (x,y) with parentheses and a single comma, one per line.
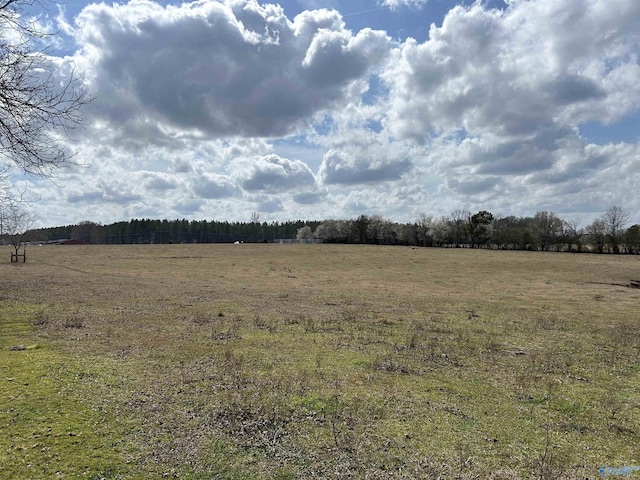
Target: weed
(202,318)
(310,324)
(465,457)
(390,364)
(546,460)
(548,323)
(415,335)
(264,324)
(74,322)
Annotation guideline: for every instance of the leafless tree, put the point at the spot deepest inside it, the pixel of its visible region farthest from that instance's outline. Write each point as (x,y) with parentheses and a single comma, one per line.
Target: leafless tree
(546,228)
(424,224)
(459,226)
(597,233)
(442,231)
(573,234)
(255,217)
(615,220)
(15,222)
(11,200)
(38,107)
(381,230)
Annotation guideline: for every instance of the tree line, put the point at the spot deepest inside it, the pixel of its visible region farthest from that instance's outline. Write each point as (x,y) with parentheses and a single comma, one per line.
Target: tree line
(141,231)
(545,231)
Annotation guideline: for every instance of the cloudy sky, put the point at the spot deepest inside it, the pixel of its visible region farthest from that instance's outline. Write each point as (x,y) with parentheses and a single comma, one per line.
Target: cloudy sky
(318,109)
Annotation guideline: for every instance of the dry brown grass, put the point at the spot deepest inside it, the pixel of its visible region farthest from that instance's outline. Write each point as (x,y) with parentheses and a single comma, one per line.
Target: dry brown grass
(276,361)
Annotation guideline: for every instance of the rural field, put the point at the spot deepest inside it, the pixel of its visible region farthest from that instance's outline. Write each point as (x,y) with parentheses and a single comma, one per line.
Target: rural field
(317,361)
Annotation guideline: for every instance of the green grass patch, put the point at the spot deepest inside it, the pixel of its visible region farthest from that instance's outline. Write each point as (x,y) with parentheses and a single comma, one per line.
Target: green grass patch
(48,428)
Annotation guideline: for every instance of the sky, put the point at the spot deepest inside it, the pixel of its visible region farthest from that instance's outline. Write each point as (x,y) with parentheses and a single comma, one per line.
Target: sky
(317,109)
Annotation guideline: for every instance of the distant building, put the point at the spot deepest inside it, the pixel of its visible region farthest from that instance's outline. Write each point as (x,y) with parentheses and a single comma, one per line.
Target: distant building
(65,241)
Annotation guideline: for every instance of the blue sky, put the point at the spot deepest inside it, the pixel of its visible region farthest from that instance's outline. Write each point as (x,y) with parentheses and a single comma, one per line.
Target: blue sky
(330,109)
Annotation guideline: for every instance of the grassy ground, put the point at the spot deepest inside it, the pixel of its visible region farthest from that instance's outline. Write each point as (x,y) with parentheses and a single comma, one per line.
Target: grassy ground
(276,361)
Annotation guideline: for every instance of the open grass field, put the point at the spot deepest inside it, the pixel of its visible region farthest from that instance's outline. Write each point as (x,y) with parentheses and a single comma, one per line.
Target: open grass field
(280,361)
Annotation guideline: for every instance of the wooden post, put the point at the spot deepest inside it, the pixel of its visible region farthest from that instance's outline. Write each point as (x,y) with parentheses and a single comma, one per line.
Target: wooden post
(15,256)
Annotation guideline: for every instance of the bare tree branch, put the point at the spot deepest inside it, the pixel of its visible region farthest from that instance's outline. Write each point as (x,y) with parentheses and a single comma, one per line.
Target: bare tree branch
(38,107)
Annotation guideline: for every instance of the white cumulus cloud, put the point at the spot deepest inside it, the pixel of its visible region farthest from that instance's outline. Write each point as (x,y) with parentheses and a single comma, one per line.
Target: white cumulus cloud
(272,173)
(510,88)
(214,69)
(394,4)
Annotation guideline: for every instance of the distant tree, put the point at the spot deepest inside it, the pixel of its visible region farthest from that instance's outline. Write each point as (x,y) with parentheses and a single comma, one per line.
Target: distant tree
(479,227)
(381,230)
(632,239)
(597,234)
(360,226)
(255,217)
(573,235)
(327,231)
(304,233)
(512,233)
(408,234)
(441,231)
(88,232)
(615,220)
(458,225)
(497,230)
(423,225)
(546,228)
(15,222)
(388,232)
(257,230)
(333,231)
